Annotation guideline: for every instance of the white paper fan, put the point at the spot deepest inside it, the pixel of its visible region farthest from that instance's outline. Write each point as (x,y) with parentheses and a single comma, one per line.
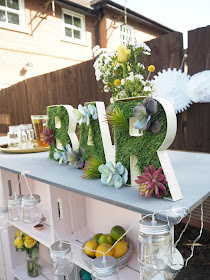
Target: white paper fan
(172,85)
(198,88)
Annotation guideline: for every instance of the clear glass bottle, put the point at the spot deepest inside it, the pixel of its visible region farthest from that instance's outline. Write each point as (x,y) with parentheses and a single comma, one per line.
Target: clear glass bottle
(4,219)
(12,136)
(61,258)
(105,270)
(22,137)
(154,245)
(14,206)
(30,211)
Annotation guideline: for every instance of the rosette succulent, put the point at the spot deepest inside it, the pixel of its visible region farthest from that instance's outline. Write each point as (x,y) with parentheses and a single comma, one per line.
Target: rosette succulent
(48,136)
(143,116)
(75,158)
(113,176)
(63,155)
(84,113)
(152,181)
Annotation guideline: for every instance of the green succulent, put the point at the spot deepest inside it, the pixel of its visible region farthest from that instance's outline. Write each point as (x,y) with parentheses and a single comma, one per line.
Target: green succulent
(113,176)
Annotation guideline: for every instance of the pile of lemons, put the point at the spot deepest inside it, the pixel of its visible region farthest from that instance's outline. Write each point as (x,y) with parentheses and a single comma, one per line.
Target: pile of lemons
(103,242)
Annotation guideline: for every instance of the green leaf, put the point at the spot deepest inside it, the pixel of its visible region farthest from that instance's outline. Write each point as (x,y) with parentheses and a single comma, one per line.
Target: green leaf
(35,253)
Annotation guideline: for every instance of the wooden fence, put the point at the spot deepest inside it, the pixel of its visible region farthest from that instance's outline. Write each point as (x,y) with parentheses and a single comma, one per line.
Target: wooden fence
(77,84)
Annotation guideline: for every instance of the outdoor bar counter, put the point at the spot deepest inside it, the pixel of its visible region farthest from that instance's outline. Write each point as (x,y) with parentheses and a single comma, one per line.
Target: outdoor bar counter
(191,170)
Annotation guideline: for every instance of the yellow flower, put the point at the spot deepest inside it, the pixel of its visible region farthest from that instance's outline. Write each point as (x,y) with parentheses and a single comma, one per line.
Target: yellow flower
(29,242)
(117,82)
(116,72)
(19,233)
(151,68)
(123,53)
(129,68)
(18,242)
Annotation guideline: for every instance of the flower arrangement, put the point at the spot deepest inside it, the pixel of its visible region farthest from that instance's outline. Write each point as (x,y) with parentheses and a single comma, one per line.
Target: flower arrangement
(121,72)
(152,181)
(24,242)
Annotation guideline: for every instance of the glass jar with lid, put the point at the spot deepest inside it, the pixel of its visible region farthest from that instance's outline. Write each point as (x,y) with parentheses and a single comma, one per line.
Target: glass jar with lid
(105,269)
(154,245)
(4,219)
(14,206)
(30,210)
(61,258)
(12,136)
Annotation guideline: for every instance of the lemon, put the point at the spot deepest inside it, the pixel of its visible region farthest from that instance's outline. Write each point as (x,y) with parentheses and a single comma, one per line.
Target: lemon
(105,238)
(103,248)
(120,249)
(96,237)
(92,245)
(117,232)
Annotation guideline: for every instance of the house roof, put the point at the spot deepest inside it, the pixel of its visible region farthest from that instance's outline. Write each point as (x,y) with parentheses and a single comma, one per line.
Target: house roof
(94,6)
(115,6)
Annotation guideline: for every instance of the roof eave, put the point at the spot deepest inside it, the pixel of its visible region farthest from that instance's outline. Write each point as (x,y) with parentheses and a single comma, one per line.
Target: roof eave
(132,14)
(82,8)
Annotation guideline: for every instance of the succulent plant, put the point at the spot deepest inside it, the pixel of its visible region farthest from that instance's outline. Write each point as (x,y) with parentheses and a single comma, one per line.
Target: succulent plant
(83,113)
(150,182)
(75,158)
(91,168)
(63,155)
(116,118)
(143,113)
(113,176)
(48,136)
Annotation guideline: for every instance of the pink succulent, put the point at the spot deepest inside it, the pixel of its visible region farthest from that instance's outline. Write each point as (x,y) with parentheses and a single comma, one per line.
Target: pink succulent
(152,181)
(48,136)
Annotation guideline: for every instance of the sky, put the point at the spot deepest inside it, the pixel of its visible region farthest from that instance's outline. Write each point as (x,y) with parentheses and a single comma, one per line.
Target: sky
(180,15)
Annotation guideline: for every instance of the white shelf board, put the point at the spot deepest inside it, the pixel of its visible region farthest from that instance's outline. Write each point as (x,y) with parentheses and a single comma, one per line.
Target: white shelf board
(20,272)
(130,271)
(44,236)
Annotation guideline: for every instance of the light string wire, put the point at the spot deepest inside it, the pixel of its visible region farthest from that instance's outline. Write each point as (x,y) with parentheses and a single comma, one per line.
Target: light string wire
(148,215)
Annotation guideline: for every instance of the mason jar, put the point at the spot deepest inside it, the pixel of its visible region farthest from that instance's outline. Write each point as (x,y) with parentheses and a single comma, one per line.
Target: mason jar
(30,211)
(12,136)
(14,206)
(61,258)
(154,245)
(105,270)
(4,219)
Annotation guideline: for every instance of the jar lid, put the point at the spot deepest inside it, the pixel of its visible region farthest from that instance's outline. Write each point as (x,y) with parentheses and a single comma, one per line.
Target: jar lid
(60,249)
(3,210)
(15,199)
(101,268)
(147,226)
(28,200)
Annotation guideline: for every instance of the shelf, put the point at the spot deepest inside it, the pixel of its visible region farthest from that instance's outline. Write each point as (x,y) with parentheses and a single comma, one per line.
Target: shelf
(20,272)
(130,271)
(43,236)
(186,167)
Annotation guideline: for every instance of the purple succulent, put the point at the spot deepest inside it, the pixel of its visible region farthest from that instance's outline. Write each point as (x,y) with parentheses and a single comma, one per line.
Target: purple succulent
(142,115)
(153,181)
(48,136)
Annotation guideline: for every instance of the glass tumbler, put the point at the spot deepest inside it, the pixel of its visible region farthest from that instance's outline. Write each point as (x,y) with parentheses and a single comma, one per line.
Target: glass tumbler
(39,124)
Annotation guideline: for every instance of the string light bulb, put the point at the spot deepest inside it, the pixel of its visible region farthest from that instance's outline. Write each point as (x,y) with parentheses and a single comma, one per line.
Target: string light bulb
(61,258)
(104,268)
